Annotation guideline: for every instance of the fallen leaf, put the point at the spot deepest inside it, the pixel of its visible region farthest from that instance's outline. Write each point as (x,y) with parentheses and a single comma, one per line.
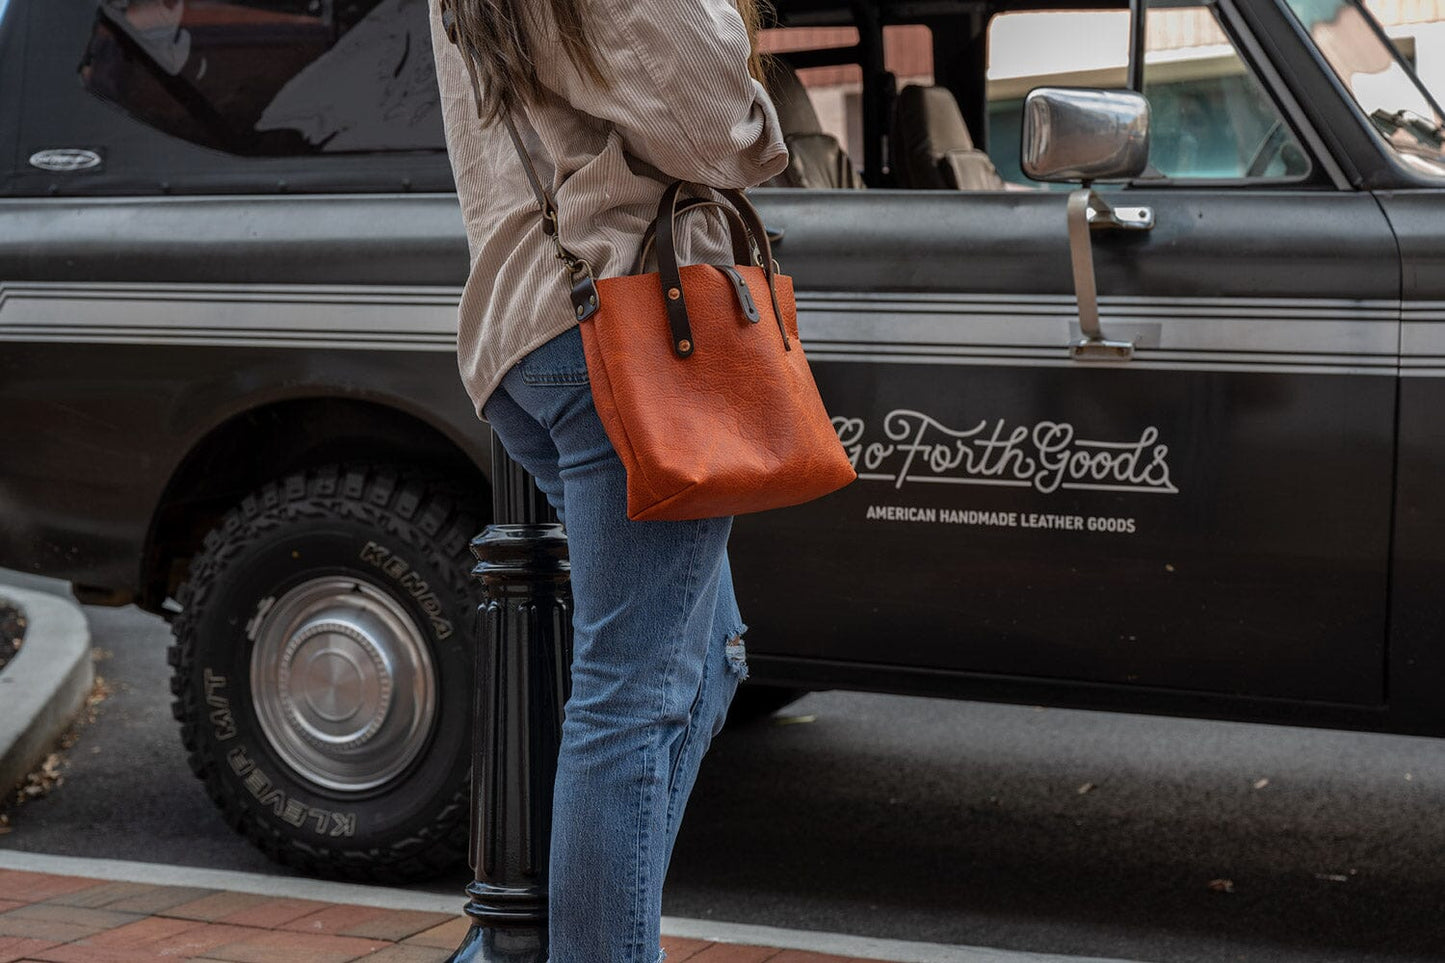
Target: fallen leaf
(48,775)
(1261,783)
(99,692)
(1087,787)
(1333,877)
(44,779)
(1222,885)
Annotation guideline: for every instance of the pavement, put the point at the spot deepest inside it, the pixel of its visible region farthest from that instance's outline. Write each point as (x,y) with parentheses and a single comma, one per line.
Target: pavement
(64,909)
(70,910)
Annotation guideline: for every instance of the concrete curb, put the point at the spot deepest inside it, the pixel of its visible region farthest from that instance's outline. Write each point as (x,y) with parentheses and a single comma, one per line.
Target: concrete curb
(46,683)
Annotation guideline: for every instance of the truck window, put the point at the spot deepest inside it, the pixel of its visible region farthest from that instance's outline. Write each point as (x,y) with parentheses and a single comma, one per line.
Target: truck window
(1418,33)
(1401,110)
(271,78)
(1211,118)
(834,89)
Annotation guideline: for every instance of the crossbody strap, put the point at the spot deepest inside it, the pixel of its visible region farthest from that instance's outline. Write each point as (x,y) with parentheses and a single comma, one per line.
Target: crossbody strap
(584,291)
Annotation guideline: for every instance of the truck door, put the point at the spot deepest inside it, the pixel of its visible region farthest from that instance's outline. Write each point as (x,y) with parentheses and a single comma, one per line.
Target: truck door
(1211,516)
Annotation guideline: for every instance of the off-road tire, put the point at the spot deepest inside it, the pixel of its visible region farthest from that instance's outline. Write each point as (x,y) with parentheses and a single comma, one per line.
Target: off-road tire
(401,532)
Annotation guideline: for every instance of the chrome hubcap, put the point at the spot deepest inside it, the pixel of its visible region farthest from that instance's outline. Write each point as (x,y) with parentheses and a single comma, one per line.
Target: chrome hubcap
(343,683)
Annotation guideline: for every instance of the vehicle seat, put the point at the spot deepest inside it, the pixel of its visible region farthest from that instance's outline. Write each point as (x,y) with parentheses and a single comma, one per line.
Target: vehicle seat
(931,146)
(815,158)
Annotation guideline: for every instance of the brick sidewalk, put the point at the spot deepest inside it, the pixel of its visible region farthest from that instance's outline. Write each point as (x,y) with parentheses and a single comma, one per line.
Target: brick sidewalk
(70,919)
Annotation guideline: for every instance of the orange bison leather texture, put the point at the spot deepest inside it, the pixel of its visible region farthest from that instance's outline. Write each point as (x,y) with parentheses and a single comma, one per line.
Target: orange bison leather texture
(709,401)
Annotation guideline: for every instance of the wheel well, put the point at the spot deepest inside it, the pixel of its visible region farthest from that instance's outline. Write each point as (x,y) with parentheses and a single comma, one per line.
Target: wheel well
(268,442)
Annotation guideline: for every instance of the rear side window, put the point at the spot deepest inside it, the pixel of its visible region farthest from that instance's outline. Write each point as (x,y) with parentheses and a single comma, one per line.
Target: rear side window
(835,90)
(271,78)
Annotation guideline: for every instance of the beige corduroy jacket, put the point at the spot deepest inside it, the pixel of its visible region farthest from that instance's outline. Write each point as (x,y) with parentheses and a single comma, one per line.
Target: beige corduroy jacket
(680,104)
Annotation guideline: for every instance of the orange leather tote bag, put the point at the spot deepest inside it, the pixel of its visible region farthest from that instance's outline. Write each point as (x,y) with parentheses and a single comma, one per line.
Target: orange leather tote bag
(700,379)
(697,372)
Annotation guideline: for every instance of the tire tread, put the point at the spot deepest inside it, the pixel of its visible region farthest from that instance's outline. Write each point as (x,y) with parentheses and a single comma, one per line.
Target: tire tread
(392,499)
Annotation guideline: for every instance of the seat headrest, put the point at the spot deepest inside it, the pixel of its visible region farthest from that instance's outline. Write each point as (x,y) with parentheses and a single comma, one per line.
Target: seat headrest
(795,108)
(817,160)
(927,126)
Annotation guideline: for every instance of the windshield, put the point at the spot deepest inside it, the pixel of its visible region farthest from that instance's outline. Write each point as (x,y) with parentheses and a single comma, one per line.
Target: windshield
(1399,107)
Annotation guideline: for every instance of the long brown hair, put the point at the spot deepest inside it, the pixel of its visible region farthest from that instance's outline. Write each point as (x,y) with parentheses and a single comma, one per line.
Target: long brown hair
(496,36)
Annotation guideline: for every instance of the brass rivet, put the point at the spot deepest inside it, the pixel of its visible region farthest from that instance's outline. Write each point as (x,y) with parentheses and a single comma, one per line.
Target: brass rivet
(592,299)
(581,310)
(674,293)
(684,345)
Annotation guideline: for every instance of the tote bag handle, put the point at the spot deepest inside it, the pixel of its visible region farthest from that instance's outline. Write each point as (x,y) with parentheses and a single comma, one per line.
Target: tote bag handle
(670,275)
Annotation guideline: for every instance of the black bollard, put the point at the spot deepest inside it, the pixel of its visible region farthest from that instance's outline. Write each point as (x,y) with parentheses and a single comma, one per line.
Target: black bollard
(524,654)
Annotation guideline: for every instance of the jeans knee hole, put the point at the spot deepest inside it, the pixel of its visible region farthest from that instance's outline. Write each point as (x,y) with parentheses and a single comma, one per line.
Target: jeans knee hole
(737,657)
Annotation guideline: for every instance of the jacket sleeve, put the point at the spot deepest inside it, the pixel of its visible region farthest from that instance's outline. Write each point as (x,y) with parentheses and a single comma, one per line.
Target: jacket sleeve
(678,90)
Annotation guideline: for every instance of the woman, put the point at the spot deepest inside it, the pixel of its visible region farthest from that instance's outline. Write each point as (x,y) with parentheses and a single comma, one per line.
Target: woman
(613,99)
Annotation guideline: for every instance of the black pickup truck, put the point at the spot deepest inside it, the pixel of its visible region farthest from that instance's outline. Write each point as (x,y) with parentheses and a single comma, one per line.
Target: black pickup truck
(229,268)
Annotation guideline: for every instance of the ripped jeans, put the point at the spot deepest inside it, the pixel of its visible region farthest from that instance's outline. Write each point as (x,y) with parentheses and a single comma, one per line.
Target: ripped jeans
(657,657)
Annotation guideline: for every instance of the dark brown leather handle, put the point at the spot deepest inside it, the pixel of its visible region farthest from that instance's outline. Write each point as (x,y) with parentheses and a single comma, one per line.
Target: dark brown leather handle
(670,275)
(742,245)
(754,221)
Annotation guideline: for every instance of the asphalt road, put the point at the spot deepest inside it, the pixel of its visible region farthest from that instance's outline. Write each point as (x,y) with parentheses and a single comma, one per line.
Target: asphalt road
(932,820)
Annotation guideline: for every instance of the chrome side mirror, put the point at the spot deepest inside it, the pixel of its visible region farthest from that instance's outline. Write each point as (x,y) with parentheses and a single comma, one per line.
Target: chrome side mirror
(1079,134)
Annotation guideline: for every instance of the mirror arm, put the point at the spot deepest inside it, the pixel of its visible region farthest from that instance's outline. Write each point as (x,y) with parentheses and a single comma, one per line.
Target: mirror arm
(1087,213)
(1081,253)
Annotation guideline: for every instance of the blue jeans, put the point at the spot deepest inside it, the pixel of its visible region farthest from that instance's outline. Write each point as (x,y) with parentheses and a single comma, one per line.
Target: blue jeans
(657,657)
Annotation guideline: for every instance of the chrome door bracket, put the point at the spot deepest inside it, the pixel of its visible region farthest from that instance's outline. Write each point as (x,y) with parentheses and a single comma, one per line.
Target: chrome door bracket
(1088,212)
(1105,218)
